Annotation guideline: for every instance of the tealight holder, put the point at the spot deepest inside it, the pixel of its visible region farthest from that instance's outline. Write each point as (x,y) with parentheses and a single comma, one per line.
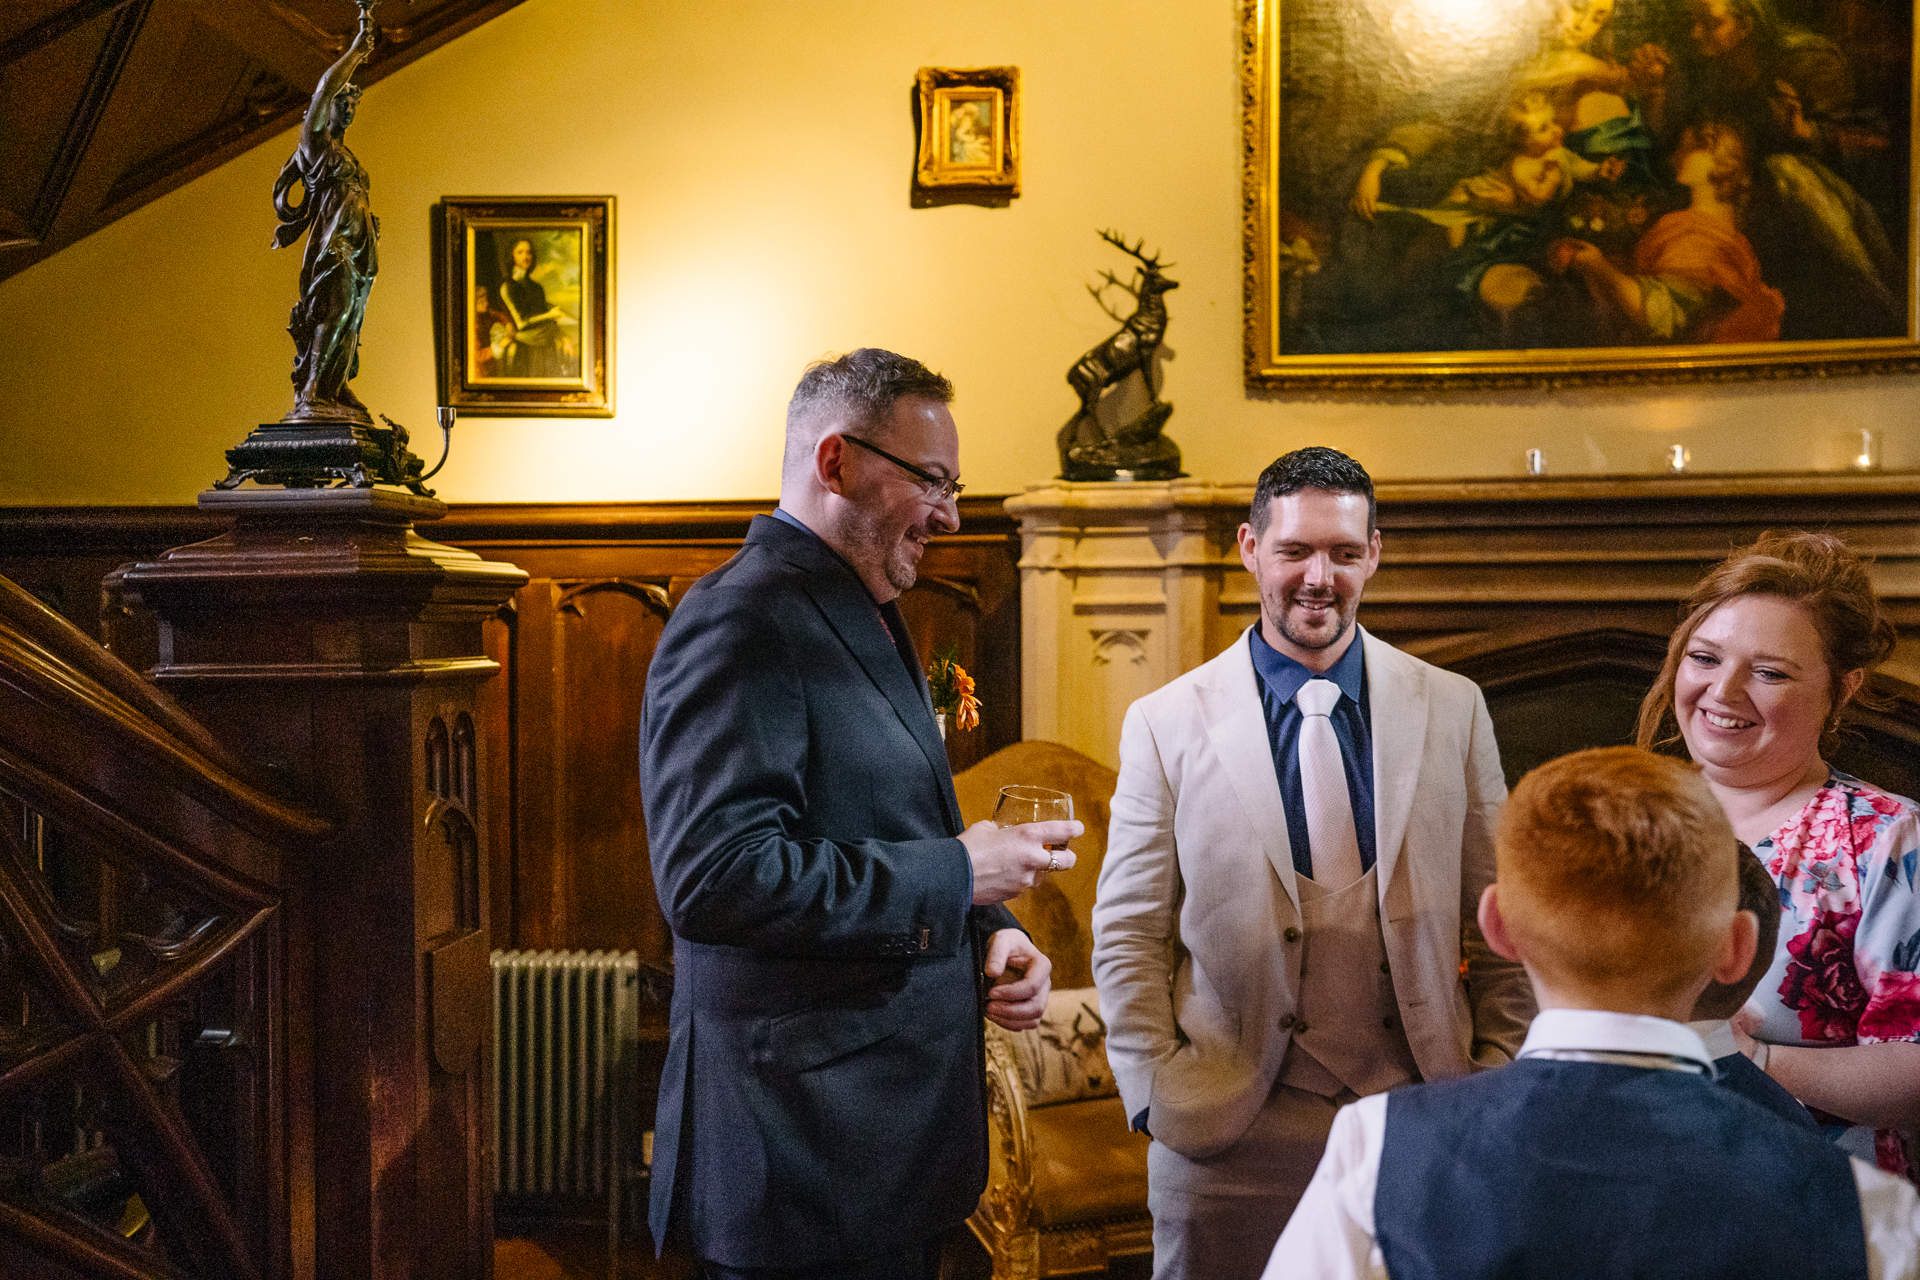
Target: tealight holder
(1867,458)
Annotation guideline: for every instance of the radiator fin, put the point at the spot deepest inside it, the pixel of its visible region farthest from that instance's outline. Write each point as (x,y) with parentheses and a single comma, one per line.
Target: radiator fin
(565,1034)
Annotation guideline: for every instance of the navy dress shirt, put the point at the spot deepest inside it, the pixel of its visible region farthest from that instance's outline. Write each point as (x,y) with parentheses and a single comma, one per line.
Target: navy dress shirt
(1280,678)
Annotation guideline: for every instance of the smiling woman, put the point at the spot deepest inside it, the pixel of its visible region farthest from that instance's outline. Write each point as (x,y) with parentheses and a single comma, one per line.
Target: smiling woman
(1777,639)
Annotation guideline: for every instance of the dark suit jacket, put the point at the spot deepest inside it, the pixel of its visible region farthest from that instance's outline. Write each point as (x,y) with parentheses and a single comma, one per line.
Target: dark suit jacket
(1737,1072)
(823,1092)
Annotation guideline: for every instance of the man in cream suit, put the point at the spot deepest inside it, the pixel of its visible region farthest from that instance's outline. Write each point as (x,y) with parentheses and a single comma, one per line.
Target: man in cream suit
(1300,837)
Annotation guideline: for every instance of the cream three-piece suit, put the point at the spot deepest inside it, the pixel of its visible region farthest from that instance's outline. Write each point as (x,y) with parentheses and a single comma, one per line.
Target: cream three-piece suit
(1199,926)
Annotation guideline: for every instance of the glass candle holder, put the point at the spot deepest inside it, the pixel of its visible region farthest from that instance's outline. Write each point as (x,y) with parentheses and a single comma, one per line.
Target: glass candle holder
(1867,457)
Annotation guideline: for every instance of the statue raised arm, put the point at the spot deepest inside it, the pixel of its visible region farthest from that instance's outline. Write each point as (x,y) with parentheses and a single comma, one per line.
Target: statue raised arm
(341,257)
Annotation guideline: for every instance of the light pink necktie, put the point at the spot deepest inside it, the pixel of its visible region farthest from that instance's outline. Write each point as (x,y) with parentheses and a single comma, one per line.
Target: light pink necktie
(1333,846)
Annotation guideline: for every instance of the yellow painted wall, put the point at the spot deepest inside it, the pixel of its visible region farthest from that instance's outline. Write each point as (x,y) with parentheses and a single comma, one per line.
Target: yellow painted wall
(761,153)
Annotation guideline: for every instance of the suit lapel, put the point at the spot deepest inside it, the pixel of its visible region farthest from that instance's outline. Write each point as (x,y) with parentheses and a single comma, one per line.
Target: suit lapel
(850,611)
(1236,726)
(1397,695)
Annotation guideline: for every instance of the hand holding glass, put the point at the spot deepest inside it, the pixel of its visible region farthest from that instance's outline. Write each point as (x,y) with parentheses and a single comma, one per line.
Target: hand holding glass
(1020,805)
(1005,850)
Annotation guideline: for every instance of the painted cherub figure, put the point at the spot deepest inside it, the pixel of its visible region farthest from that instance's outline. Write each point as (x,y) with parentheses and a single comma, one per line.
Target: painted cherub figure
(1539,171)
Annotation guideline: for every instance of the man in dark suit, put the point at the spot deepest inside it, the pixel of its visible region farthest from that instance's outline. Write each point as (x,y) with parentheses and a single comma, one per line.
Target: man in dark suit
(822,1108)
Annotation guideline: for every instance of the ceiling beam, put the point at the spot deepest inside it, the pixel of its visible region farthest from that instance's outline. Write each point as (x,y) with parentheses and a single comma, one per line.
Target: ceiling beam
(107,65)
(39,37)
(275,37)
(102,187)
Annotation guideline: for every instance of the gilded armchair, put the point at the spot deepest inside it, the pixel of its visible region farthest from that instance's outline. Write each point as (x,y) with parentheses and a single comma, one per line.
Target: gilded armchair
(1067,1182)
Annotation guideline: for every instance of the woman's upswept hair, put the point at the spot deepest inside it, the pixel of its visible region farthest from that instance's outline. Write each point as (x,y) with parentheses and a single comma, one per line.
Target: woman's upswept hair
(1812,570)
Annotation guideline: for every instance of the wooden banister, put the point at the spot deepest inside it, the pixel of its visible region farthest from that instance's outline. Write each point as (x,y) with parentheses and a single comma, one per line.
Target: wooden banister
(143,978)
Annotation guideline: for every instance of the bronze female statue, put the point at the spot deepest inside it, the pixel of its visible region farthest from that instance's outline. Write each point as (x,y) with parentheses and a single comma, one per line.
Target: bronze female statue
(341,259)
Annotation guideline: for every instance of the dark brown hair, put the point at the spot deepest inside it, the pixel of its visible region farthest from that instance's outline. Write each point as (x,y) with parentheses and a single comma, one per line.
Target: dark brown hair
(1812,570)
(1314,467)
(1760,895)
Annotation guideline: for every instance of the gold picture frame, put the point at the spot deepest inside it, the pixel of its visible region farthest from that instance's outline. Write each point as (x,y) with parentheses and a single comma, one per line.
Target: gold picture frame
(523,311)
(969,131)
(1333,301)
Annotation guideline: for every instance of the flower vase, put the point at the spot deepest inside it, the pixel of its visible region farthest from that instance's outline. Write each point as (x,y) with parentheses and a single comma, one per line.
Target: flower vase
(941,716)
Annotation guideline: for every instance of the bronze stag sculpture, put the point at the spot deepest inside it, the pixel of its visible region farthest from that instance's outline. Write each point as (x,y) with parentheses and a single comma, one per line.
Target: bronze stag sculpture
(1135,449)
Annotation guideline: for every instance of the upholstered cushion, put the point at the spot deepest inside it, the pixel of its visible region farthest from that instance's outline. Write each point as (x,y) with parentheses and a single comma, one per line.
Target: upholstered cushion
(1065,1057)
(1086,1166)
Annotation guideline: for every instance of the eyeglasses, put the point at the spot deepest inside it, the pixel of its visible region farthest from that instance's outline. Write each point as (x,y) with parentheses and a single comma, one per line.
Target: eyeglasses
(937,488)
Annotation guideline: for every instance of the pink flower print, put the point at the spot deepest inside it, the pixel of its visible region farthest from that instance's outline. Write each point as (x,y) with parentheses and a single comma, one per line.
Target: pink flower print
(1817,859)
(1890,1153)
(1894,1013)
(1821,980)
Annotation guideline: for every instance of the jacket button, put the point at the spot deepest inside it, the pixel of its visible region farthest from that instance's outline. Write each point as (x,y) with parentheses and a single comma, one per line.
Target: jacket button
(1389,1022)
(1300,1027)
(1291,934)
(1385,967)
(1287,1022)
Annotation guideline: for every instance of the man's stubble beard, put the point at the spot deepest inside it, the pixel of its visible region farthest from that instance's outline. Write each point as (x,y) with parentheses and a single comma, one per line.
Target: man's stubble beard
(863,530)
(1278,605)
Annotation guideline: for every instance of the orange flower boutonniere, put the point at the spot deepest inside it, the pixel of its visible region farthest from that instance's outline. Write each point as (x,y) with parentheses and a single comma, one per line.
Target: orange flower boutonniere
(952,689)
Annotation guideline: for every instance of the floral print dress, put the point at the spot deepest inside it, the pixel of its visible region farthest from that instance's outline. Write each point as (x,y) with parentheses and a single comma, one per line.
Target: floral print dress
(1847,968)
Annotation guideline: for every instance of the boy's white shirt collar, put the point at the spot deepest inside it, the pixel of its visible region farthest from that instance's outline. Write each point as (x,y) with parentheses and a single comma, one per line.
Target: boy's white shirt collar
(1717,1035)
(1609,1032)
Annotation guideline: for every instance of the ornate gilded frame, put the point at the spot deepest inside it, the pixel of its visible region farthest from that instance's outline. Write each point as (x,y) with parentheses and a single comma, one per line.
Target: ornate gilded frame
(993,93)
(477,376)
(1274,272)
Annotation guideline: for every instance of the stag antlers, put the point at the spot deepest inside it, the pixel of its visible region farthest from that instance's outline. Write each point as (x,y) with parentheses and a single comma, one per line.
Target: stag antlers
(1119,242)
(1150,267)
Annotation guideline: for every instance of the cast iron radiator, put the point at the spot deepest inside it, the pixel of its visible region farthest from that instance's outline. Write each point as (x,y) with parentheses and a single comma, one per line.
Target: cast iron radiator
(565,1033)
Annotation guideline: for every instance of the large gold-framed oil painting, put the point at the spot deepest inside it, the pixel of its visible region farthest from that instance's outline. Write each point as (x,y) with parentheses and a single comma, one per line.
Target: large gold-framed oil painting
(1499,192)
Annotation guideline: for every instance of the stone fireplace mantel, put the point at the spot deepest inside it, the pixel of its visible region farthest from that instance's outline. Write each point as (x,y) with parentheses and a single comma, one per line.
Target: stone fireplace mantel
(1518,583)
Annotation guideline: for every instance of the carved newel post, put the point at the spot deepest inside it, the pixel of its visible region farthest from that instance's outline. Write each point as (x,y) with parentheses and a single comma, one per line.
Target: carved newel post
(327,641)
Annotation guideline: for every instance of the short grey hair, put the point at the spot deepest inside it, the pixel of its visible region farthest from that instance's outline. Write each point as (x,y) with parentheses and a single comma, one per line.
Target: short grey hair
(854,392)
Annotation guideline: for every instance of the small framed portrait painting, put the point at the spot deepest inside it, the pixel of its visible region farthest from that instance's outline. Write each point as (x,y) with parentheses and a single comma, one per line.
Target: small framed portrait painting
(969,130)
(522,307)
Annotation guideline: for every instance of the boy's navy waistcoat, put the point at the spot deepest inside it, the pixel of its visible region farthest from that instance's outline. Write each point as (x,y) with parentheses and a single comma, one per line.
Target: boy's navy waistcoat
(1577,1169)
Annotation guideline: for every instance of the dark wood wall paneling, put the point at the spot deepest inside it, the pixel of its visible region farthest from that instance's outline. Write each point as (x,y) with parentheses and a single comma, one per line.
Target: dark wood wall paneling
(568,853)
(1556,596)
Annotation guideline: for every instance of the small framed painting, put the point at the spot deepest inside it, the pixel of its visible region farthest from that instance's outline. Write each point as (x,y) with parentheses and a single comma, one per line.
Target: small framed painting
(523,311)
(969,130)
